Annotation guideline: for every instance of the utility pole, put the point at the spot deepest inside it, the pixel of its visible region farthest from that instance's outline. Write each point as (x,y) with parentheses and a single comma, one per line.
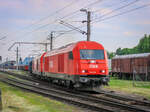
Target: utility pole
(50,38)
(88,23)
(1,101)
(46,47)
(0,59)
(17,58)
(51,41)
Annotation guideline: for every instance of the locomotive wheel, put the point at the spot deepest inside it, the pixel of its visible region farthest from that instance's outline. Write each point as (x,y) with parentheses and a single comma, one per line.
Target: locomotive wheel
(69,84)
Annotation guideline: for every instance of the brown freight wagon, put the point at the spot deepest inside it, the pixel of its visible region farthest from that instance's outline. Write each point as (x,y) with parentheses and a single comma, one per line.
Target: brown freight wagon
(124,66)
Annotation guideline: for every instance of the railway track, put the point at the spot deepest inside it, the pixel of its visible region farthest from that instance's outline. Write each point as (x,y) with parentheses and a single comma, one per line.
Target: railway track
(59,96)
(77,98)
(125,98)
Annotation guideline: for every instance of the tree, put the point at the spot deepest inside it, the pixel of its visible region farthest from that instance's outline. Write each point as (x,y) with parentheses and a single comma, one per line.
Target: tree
(118,51)
(142,47)
(110,55)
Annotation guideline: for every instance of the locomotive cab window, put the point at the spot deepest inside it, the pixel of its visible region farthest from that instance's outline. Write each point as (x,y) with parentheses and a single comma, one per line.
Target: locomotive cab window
(70,55)
(91,54)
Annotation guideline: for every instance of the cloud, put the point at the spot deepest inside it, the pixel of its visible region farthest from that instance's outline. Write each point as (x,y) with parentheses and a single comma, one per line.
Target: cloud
(128,33)
(142,22)
(27,6)
(21,13)
(9,4)
(105,25)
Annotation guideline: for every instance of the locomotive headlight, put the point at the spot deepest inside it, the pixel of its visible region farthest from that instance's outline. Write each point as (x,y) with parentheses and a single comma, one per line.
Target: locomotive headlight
(92,61)
(103,71)
(83,71)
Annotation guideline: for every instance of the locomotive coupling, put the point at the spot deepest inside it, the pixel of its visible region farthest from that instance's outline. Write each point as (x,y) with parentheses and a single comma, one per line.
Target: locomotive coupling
(84,79)
(105,80)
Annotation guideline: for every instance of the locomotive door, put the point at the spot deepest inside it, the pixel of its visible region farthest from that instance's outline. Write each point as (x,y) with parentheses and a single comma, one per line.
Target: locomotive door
(61,63)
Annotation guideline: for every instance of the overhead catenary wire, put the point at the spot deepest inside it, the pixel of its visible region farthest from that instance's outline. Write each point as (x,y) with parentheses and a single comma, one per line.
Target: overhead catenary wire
(59,10)
(55,12)
(122,13)
(73,13)
(43,26)
(107,15)
(101,18)
(93,3)
(62,17)
(72,27)
(131,3)
(52,14)
(3,37)
(119,14)
(124,6)
(124,1)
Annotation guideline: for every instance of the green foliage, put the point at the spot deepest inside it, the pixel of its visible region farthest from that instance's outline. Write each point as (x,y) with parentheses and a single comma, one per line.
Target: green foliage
(142,47)
(118,51)
(126,86)
(110,55)
(23,101)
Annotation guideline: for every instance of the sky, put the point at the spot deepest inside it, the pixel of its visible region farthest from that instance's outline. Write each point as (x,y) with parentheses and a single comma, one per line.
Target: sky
(33,20)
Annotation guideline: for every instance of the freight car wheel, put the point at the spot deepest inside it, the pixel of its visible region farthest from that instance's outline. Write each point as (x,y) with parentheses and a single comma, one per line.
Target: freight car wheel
(71,85)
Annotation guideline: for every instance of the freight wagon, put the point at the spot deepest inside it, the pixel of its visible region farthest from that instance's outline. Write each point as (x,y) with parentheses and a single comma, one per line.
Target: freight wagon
(124,66)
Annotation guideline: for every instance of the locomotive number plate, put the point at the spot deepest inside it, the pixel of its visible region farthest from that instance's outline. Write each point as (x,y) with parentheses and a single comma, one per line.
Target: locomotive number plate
(93,66)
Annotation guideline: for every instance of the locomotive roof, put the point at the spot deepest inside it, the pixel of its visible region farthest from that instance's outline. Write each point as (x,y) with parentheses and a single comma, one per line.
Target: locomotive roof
(62,49)
(132,56)
(69,47)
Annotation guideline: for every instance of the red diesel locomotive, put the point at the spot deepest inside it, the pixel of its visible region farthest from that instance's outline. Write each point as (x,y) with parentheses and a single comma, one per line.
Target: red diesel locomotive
(80,65)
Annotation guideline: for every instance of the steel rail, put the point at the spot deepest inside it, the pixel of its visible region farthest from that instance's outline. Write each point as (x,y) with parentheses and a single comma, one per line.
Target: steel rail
(102,100)
(87,98)
(60,98)
(112,95)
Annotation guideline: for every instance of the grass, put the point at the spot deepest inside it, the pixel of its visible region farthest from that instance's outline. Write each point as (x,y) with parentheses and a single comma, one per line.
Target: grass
(126,86)
(36,103)
(16,100)
(21,72)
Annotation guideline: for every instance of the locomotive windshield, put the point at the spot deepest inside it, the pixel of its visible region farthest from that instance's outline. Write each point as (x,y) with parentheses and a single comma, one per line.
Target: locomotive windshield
(91,54)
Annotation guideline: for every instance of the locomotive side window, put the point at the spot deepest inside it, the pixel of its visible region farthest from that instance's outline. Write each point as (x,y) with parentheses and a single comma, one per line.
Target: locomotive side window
(70,55)
(91,54)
